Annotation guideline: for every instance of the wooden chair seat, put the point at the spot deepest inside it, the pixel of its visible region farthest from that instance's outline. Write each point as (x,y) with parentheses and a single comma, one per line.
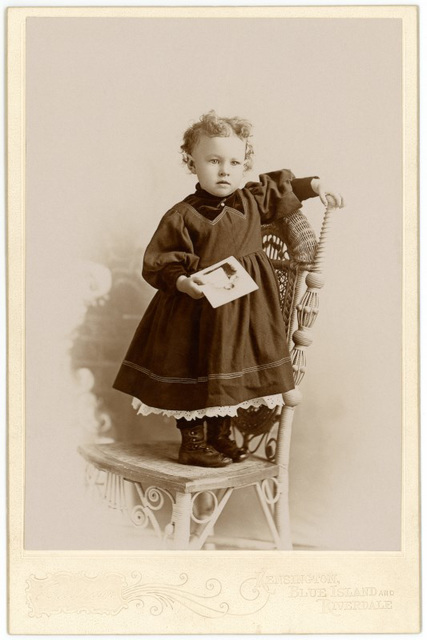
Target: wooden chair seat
(177,504)
(156,463)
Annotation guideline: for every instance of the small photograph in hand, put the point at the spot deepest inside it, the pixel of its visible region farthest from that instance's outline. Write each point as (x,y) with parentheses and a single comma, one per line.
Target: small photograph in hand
(225,281)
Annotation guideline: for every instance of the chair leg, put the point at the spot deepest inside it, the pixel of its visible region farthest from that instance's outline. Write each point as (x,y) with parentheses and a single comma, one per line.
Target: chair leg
(181,519)
(265,504)
(206,523)
(283,522)
(281,512)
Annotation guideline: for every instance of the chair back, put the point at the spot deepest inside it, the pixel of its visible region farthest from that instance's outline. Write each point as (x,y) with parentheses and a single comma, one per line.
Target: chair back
(291,245)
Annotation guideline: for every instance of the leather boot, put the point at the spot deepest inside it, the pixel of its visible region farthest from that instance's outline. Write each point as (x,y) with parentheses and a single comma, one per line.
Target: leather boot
(194,449)
(219,432)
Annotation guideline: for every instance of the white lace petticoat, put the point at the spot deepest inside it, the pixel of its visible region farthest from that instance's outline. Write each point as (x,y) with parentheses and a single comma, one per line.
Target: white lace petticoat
(271,402)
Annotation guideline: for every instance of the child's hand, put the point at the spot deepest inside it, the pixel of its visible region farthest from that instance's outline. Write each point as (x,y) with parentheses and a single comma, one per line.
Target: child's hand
(190,286)
(329,197)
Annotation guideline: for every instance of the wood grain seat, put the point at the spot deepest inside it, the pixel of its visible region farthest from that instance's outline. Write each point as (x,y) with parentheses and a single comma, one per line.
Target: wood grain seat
(156,463)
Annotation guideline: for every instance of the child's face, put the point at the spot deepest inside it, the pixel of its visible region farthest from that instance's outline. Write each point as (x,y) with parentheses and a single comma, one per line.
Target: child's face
(219,164)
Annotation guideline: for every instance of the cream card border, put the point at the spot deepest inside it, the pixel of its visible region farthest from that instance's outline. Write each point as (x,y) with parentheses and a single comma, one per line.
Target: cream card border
(208,592)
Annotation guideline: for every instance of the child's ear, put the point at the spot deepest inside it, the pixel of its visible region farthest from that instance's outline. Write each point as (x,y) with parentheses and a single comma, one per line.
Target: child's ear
(191,165)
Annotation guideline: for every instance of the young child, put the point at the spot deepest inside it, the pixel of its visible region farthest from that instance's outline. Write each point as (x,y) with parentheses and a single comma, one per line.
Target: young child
(187,359)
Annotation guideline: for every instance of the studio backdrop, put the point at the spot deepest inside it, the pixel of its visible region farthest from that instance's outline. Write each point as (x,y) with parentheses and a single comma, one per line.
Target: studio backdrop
(107,101)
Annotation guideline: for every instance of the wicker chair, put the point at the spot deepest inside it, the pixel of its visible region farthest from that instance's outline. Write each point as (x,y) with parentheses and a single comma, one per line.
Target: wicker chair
(180,505)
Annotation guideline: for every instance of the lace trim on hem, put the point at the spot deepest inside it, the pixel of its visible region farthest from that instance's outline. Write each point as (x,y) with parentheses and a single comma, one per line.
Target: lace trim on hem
(271,402)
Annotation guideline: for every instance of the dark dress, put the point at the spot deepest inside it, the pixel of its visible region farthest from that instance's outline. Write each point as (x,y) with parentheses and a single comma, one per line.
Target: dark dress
(186,355)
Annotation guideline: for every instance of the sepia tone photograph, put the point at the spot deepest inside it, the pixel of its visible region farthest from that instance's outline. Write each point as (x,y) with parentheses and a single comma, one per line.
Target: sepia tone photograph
(214,256)
(104,165)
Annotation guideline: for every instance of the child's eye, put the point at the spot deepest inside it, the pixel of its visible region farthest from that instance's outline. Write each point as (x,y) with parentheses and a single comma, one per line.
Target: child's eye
(214,161)
(234,162)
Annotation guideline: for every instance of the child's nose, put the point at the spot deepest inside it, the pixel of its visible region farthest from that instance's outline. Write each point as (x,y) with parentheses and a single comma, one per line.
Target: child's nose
(224,171)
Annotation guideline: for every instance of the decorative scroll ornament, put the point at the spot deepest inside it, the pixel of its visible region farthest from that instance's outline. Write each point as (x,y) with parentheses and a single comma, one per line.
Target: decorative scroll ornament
(110,594)
(115,491)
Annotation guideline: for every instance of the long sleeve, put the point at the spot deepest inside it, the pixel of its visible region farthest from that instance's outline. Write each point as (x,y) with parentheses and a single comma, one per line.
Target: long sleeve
(274,195)
(302,188)
(169,254)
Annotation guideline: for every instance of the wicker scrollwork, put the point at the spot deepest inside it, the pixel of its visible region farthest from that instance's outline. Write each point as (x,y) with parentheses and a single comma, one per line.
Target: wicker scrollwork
(202,514)
(256,420)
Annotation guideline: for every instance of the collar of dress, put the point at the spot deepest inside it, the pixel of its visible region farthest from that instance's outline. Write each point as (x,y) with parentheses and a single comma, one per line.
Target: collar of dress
(214,201)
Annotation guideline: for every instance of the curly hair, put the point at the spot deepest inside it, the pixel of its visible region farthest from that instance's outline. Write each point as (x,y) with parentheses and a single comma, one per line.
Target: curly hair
(211,125)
